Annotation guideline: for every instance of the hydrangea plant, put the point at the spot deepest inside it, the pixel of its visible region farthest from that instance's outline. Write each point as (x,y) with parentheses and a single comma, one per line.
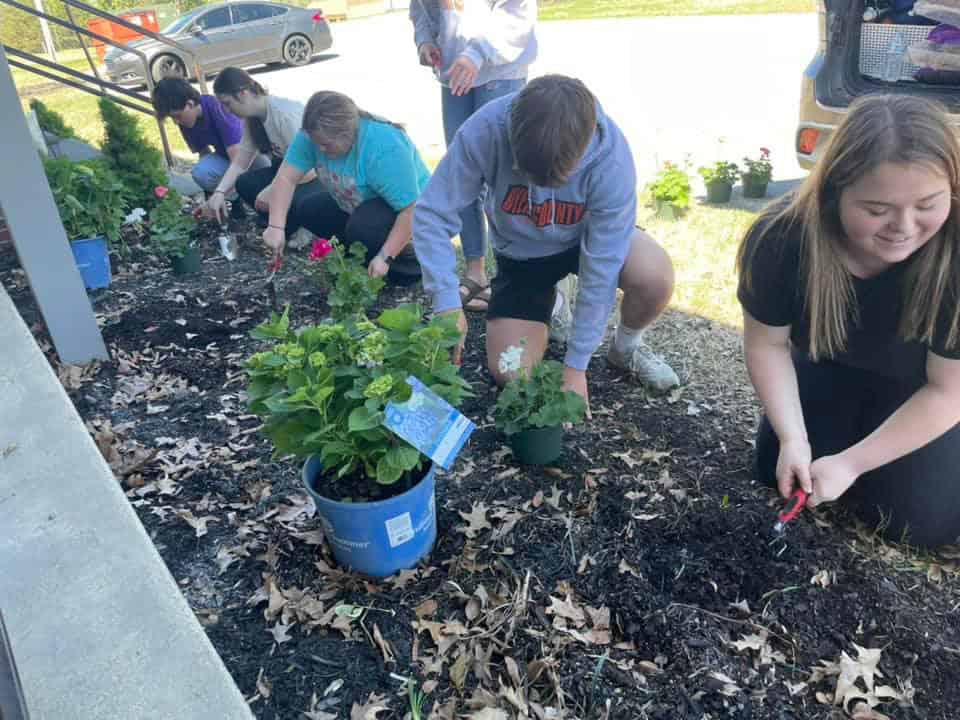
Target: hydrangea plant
(323,389)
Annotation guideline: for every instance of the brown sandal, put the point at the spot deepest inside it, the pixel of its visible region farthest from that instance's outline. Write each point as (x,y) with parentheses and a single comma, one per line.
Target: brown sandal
(475,293)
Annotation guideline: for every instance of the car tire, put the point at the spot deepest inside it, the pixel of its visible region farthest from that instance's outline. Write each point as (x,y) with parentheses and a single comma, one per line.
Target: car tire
(166,65)
(297,50)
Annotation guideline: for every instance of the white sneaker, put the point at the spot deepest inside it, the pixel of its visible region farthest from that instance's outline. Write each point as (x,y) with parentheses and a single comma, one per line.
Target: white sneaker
(301,239)
(646,366)
(561,320)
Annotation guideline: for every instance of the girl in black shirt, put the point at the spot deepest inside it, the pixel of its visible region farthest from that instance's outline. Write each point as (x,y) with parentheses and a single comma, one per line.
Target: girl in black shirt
(850,291)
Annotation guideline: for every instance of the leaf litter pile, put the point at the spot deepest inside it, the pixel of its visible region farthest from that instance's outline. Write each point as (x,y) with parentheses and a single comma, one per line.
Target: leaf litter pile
(632,580)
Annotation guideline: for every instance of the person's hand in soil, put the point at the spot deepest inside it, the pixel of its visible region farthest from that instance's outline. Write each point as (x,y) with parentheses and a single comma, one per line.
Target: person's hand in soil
(832,476)
(576,380)
(262,202)
(275,239)
(463,73)
(456,355)
(378,267)
(217,207)
(793,467)
(430,55)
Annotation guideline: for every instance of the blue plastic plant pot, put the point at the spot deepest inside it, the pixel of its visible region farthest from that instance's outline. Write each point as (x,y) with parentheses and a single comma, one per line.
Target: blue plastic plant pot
(93,261)
(377,538)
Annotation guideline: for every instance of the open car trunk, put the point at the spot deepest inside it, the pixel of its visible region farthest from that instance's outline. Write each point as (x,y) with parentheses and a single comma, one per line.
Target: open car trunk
(860,57)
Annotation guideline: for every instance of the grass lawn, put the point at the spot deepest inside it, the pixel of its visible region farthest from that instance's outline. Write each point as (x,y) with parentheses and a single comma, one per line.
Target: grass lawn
(590,9)
(80,111)
(73,59)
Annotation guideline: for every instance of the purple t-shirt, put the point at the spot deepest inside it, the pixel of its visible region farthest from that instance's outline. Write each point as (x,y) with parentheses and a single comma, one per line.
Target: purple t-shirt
(216,127)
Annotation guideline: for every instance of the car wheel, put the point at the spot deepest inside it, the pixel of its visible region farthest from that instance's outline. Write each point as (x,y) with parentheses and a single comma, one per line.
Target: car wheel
(168,66)
(297,50)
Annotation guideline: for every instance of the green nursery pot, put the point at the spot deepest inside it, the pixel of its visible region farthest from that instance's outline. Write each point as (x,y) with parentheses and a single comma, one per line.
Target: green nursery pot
(667,210)
(188,263)
(754,188)
(719,192)
(537,446)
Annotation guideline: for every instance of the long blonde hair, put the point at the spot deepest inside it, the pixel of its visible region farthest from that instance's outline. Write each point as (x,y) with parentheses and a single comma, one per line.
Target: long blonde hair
(877,129)
(336,116)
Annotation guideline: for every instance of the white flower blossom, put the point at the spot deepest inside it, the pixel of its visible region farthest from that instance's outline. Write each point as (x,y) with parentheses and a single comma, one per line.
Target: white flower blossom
(511,359)
(135,216)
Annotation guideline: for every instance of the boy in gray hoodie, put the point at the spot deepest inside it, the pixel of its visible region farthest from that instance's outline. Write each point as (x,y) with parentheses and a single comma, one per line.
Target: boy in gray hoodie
(561,199)
(479,50)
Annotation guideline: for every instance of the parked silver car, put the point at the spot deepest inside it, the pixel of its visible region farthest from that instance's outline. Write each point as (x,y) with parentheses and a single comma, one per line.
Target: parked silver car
(224,34)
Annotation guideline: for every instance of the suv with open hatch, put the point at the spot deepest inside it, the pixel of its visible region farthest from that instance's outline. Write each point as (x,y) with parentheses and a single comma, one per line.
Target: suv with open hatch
(877,46)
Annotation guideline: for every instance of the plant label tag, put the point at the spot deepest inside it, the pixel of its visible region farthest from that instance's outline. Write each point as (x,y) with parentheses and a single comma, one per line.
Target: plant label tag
(429,423)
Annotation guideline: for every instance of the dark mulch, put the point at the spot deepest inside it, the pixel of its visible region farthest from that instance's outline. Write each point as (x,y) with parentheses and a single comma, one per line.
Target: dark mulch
(651,515)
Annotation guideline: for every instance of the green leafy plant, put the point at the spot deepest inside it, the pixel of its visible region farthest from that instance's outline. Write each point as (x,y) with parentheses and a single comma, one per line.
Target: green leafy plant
(171,229)
(758,169)
(88,197)
(137,163)
(671,185)
(344,272)
(324,389)
(51,121)
(720,172)
(534,398)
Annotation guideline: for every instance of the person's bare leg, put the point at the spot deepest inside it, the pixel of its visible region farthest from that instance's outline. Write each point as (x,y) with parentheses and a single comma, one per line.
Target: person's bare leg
(504,332)
(647,283)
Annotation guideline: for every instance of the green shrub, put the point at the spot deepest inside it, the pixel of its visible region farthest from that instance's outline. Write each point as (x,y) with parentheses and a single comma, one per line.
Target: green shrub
(88,197)
(671,185)
(51,121)
(137,163)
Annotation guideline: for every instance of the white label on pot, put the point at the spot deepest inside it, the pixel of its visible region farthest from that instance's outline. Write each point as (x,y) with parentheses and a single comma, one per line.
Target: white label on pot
(399,529)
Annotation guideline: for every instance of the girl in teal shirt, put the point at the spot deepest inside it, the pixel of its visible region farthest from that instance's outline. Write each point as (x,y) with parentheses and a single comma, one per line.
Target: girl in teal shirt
(370,175)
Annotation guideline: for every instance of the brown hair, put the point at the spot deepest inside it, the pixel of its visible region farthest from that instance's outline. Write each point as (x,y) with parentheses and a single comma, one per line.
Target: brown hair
(551,124)
(877,129)
(233,81)
(336,116)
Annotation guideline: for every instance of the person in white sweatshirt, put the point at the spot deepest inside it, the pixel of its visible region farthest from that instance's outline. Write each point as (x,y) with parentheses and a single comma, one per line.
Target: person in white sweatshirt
(479,50)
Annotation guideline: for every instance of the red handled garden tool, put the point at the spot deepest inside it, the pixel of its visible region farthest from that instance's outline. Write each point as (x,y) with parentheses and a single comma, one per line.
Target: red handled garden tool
(795,505)
(271,280)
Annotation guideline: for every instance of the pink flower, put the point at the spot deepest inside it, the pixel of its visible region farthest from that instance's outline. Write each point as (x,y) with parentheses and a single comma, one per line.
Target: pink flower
(160,191)
(321,248)
(764,152)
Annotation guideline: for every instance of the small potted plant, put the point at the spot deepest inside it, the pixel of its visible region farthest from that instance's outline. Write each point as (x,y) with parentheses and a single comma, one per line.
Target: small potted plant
(719,179)
(670,191)
(756,175)
(322,393)
(533,407)
(172,232)
(89,200)
(344,272)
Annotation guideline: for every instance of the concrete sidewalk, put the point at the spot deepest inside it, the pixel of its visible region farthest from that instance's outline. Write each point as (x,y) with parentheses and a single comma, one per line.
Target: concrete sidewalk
(98,627)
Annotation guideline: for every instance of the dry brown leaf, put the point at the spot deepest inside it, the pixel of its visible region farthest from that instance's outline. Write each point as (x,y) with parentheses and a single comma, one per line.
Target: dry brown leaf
(863,711)
(555,497)
(489,713)
(443,712)
(566,609)
(199,524)
(823,578)
(402,579)
(458,671)
(426,608)
(476,519)
(315,711)
(385,648)
(626,567)
(264,686)
(728,685)
(280,632)
(375,705)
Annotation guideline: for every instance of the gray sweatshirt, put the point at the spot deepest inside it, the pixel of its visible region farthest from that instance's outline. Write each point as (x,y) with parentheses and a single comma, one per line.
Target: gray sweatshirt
(497,35)
(596,209)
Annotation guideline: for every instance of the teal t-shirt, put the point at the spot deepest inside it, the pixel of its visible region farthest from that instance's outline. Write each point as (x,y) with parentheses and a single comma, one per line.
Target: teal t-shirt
(383,163)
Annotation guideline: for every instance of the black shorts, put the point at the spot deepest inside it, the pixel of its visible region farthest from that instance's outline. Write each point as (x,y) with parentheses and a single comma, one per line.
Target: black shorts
(525,289)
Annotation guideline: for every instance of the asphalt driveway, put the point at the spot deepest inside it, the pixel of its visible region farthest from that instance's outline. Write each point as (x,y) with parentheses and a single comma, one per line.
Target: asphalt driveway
(676,85)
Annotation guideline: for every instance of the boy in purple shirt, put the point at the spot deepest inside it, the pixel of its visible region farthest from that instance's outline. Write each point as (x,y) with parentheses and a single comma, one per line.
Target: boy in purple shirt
(207,127)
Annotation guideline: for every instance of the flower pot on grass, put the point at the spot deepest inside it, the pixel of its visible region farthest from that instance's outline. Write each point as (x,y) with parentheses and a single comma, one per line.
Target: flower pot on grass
(93,261)
(754,187)
(667,210)
(719,192)
(376,538)
(537,446)
(188,263)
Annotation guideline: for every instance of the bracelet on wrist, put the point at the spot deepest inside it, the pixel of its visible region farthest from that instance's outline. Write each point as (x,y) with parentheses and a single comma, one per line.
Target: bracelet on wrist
(276,227)
(218,191)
